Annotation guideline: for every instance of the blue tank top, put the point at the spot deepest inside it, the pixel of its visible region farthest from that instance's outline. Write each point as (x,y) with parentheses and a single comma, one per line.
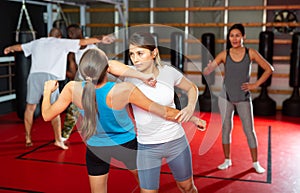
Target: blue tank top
(114,127)
(236,73)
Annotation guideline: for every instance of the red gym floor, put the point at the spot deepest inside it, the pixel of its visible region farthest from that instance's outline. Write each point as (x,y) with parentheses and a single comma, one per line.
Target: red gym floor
(46,168)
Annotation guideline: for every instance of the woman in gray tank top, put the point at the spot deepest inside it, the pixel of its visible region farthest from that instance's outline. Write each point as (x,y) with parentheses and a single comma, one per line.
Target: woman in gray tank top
(235,93)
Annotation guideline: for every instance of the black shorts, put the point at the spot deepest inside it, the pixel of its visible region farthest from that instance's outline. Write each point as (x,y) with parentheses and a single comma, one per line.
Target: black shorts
(98,158)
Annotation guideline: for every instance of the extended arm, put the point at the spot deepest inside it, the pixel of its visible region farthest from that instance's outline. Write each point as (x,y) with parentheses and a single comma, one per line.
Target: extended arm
(14,48)
(212,65)
(105,39)
(139,99)
(87,41)
(119,69)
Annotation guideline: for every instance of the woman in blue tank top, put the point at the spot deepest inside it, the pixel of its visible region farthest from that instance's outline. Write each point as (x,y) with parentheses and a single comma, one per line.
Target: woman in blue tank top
(237,61)
(106,126)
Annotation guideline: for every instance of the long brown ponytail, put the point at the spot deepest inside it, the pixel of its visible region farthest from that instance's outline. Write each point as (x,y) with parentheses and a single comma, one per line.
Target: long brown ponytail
(93,67)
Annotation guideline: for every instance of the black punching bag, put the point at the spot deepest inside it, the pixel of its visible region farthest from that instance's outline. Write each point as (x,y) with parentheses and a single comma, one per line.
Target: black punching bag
(22,68)
(177,60)
(263,105)
(177,50)
(155,36)
(208,101)
(291,106)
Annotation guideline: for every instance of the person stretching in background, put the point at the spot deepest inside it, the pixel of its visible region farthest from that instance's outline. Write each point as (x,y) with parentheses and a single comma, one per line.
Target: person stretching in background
(49,60)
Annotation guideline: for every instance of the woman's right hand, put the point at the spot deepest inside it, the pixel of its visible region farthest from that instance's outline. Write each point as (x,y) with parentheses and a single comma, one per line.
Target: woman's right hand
(210,67)
(150,80)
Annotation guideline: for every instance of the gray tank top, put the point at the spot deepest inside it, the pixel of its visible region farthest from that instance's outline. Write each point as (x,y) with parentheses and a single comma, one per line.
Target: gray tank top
(236,73)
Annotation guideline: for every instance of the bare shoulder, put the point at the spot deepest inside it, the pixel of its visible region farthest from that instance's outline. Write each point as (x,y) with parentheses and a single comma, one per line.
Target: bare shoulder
(253,53)
(120,94)
(73,87)
(70,85)
(221,57)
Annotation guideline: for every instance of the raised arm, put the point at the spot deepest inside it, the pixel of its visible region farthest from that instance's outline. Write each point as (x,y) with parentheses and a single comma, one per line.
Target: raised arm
(14,48)
(49,111)
(119,69)
(87,41)
(105,39)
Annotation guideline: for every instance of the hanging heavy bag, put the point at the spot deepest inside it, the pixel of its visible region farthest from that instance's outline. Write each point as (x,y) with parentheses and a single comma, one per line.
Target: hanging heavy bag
(23,64)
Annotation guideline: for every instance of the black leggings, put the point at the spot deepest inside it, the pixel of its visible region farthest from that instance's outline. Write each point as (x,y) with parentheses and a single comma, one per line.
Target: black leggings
(98,158)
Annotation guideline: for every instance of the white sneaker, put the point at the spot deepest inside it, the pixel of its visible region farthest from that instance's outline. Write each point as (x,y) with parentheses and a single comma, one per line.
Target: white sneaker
(227,163)
(258,168)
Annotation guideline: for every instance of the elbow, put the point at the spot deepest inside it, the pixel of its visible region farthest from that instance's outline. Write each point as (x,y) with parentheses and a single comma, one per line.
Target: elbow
(270,71)
(196,89)
(45,116)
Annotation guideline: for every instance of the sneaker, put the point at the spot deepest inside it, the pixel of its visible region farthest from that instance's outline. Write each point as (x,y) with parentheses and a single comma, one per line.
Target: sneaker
(258,167)
(227,163)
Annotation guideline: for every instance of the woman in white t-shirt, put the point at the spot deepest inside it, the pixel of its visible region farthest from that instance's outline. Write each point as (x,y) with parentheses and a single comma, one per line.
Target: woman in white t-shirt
(159,138)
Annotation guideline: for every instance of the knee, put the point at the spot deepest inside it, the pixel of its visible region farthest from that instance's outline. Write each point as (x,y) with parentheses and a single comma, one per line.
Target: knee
(30,107)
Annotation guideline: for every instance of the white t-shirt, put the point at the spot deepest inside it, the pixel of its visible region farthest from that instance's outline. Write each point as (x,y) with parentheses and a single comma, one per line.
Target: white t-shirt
(49,55)
(80,52)
(152,129)
(78,56)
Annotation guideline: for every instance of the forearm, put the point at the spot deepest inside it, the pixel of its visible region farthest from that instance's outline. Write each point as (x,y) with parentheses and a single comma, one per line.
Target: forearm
(171,114)
(137,98)
(119,69)
(165,112)
(14,48)
(192,96)
(46,105)
(267,73)
(211,66)
(84,42)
